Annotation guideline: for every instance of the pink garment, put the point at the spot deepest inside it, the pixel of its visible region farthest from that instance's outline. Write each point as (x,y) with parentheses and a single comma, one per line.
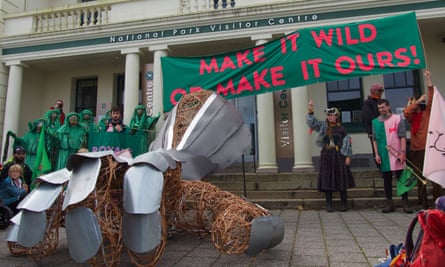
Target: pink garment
(393,142)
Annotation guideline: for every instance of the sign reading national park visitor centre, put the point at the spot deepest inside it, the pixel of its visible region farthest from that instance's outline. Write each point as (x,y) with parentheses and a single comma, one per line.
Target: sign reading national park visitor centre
(303,57)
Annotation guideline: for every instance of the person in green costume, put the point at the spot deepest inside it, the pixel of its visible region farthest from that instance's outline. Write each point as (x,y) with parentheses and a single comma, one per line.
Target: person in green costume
(87,119)
(30,141)
(139,121)
(140,129)
(71,138)
(102,125)
(52,118)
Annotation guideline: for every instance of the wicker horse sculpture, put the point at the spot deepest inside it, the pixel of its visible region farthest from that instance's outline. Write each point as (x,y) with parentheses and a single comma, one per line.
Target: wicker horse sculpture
(113,202)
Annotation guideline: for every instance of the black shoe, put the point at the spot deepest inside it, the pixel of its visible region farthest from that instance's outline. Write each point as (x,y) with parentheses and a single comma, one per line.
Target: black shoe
(408,210)
(388,209)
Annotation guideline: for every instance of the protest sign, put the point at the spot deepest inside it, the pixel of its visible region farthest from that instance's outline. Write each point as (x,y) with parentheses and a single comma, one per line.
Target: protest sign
(303,57)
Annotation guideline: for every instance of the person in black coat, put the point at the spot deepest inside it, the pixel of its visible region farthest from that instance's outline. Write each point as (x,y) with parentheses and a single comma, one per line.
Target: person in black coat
(370,112)
(18,158)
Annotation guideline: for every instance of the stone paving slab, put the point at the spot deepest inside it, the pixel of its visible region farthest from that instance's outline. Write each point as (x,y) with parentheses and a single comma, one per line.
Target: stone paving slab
(312,238)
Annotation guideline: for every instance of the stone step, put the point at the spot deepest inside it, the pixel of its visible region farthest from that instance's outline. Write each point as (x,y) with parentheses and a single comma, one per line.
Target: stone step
(308,194)
(299,190)
(318,203)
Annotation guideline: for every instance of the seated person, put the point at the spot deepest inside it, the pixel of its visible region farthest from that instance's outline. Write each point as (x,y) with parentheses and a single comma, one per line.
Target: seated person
(13,189)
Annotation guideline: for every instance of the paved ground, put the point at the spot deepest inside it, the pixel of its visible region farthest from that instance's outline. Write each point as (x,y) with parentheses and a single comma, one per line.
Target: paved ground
(312,238)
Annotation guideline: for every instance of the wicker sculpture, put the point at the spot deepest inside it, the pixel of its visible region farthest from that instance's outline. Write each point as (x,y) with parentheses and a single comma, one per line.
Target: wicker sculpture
(49,244)
(104,192)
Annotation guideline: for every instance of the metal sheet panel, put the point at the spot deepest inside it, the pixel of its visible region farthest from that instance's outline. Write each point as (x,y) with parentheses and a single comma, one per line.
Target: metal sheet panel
(83,179)
(56,177)
(156,159)
(83,233)
(143,186)
(194,167)
(278,231)
(142,232)
(32,228)
(41,198)
(13,233)
(260,235)
(17,218)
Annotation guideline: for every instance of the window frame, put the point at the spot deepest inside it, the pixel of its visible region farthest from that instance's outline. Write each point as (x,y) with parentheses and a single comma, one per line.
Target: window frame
(347,86)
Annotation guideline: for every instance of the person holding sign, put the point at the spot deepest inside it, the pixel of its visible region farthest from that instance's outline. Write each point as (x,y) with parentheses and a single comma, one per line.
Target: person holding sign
(417,113)
(335,156)
(389,134)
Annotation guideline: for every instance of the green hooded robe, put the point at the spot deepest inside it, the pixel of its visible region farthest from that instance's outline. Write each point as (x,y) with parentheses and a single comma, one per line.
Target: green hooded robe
(71,138)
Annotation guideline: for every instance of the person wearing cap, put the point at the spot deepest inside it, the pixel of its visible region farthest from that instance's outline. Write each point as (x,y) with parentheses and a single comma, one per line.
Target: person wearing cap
(370,112)
(335,156)
(417,113)
(19,154)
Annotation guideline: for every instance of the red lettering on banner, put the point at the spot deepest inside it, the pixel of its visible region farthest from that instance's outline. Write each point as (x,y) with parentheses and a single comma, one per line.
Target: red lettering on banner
(314,63)
(323,37)
(400,57)
(349,39)
(401,54)
(362,65)
(341,69)
(244,85)
(227,64)
(196,89)
(178,91)
(212,67)
(277,74)
(293,40)
(259,80)
(366,33)
(372,30)
(220,89)
(258,54)
(384,59)
(242,57)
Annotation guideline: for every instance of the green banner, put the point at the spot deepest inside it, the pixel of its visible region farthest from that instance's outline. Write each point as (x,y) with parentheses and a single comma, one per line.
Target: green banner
(306,56)
(136,141)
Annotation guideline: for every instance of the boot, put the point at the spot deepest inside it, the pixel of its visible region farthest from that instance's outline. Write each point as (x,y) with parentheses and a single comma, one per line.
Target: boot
(389,206)
(329,202)
(406,206)
(343,200)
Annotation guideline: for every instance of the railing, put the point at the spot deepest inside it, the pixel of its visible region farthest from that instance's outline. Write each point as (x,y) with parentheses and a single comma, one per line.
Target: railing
(188,6)
(71,18)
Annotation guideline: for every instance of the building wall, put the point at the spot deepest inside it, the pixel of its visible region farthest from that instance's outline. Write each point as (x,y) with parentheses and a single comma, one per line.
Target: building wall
(44,82)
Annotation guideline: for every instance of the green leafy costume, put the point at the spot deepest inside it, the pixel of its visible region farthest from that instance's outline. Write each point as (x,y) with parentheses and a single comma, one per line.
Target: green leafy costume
(141,131)
(52,118)
(30,140)
(86,119)
(71,138)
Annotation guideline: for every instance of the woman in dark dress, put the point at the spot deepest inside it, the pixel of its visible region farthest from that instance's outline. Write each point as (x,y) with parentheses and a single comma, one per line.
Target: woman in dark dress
(336,150)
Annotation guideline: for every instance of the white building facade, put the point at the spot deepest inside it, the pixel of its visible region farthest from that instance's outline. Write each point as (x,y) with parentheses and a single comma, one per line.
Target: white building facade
(98,54)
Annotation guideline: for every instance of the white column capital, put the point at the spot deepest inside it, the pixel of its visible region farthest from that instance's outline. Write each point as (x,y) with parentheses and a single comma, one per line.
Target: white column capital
(264,36)
(15,63)
(152,48)
(131,50)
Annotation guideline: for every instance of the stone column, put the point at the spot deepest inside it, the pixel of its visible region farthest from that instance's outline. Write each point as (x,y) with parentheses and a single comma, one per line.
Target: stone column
(302,139)
(131,89)
(13,98)
(159,51)
(267,156)
(3,89)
